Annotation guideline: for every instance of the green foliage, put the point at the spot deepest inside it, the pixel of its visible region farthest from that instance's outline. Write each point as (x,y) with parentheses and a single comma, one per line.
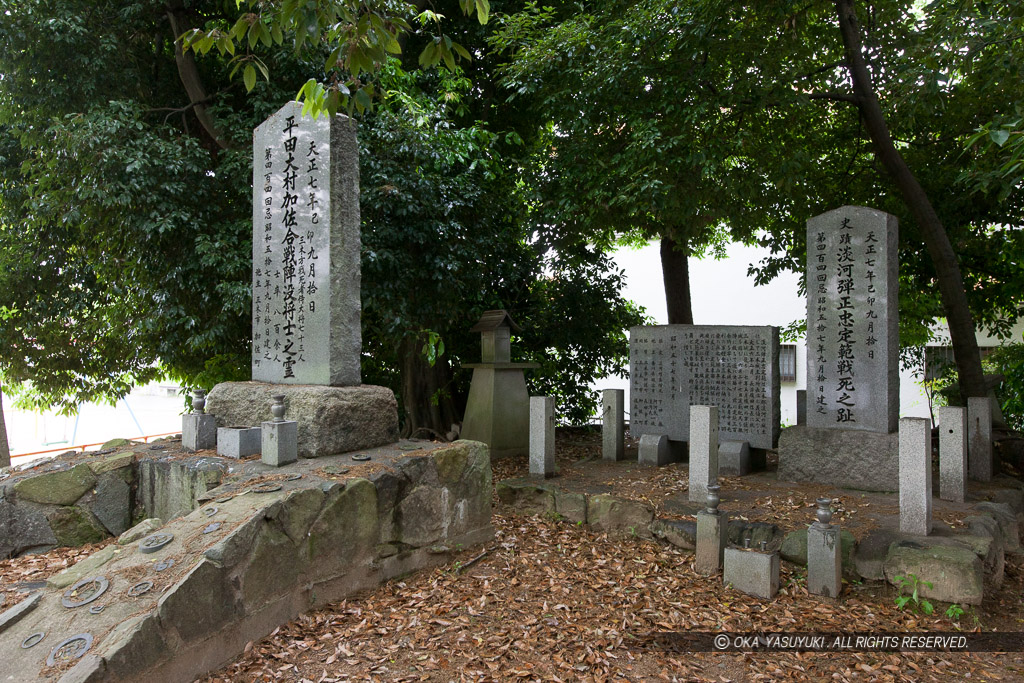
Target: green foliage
(954,612)
(910,583)
(1008,361)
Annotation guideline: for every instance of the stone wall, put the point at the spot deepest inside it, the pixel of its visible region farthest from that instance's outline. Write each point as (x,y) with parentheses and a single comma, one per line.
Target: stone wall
(248,561)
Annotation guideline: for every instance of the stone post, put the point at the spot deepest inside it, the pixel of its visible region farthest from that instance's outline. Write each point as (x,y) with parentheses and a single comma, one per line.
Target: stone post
(824,554)
(280,437)
(703,451)
(613,404)
(915,475)
(712,535)
(801,406)
(198,430)
(952,453)
(979,435)
(753,572)
(542,437)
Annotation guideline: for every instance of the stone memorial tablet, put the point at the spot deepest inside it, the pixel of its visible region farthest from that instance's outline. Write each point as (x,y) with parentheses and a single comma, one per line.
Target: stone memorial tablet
(305,284)
(852,316)
(672,367)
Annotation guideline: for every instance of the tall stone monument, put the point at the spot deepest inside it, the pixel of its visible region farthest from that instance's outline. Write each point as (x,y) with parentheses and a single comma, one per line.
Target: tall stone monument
(850,438)
(305,290)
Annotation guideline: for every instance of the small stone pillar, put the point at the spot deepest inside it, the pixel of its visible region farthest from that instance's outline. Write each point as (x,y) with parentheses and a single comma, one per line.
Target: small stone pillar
(801,406)
(712,535)
(654,450)
(703,451)
(734,458)
(824,554)
(952,453)
(915,475)
(613,426)
(280,436)
(542,437)
(198,430)
(979,436)
(498,407)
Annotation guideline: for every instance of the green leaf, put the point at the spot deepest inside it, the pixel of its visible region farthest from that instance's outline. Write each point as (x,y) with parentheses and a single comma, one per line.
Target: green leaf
(999,136)
(249,77)
(483,10)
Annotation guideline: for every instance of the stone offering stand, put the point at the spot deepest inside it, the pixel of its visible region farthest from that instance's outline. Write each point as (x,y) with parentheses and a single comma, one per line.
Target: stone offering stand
(254,547)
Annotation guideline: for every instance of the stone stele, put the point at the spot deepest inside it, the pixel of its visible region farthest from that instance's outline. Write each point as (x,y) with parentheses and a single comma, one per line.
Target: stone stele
(672,367)
(306,243)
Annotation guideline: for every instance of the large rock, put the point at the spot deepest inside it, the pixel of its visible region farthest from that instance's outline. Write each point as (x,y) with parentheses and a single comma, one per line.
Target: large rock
(855,460)
(527,498)
(619,516)
(112,504)
(955,573)
(680,533)
(74,526)
(1008,522)
(331,419)
(63,487)
(169,487)
(23,529)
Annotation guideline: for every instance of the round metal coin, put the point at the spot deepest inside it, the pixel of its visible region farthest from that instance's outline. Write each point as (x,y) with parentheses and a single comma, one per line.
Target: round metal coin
(154,542)
(360,457)
(33,640)
(266,487)
(69,649)
(85,591)
(96,609)
(293,477)
(210,528)
(139,588)
(211,511)
(225,498)
(164,564)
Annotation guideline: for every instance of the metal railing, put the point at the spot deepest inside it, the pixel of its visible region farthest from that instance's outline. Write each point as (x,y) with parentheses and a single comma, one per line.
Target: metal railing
(144,439)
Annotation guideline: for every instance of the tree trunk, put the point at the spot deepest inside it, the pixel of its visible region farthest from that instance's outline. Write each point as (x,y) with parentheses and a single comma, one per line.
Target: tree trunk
(426,398)
(188,72)
(5,450)
(947,269)
(675,271)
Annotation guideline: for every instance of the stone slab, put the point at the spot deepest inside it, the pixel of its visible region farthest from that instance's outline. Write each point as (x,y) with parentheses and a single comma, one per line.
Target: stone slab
(112,504)
(952,453)
(238,442)
(752,572)
(306,250)
(712,538)
(613,426)
(955,574)
(11,616)
(824,560)
(280,443)
(915,475)
(23,529)
(198,432)
(735,368)
(852,320)
(542,437)
(979,436)
(866,461)
(330,420)
(704,430)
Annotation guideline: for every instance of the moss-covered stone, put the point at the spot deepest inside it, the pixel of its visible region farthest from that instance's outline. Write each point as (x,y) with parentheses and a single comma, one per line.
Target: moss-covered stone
(74,527)
(619,516)
(86,567)
(571,506)
(450,463)
(955,574)
(345,532)
(117,461)
(527,498)
(116,443)
(57,488)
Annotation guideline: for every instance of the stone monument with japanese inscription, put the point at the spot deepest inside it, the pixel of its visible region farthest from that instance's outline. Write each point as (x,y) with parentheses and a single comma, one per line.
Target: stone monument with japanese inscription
(306,339)
(672,367)
(852,400)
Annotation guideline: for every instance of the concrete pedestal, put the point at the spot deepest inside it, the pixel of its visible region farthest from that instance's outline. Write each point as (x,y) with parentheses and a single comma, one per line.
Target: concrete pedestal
(753,572)
(824,560)
(712,537)
(239,442)
(280,443)
(840,457)
(198,432)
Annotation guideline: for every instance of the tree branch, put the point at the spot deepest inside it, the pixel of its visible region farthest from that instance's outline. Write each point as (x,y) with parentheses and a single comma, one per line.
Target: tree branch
(834,96)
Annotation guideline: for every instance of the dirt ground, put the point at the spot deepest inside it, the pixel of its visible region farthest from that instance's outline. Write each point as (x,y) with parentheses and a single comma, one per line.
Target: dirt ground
(553,601)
